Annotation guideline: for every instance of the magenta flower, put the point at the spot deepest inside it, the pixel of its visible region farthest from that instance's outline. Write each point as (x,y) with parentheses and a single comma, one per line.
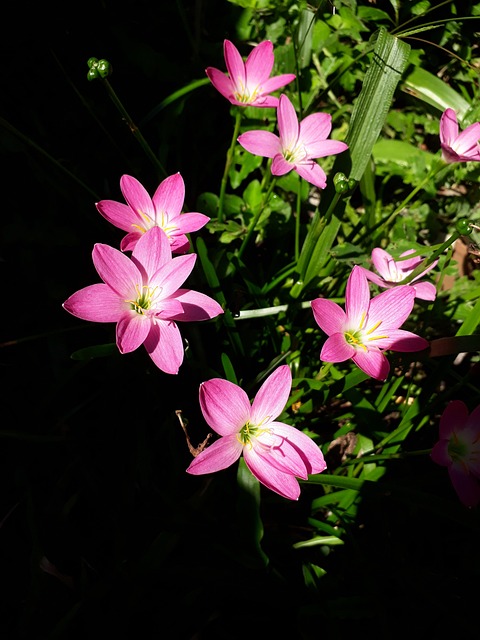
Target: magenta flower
(297,145)
(275,453)
(141,294)
(459,450)
(458,147)
(248,83)
(142,212)
(393,272)
(367,326)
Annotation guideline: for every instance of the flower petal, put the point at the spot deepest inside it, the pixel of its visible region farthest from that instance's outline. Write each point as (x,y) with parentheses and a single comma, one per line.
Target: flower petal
(398,340)
(284,484)
(118,214)
(336,349)
(196,306)
(324,148)
(97,303)
(373,363)
(259,64)
(152,252)
(219,455)
(466,143)
(169,197)
(277,82)
(439,453)
(315,128)
(312,173)
(173,273)
(390,308)
(465,484)
(279,452)
(306,447)
(164,345)
(260,143)
(137,196)
(280,166)
(357,298)
(329,316)
(235,65)
(424,290)
(453,419)
(132,330)
(272,396)
(225,406)
(188,222)
(117,270)
(448,127)
(222,83)
(288,126)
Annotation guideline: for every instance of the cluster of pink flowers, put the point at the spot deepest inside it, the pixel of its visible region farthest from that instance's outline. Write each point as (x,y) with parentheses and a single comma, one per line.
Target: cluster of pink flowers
(143,295)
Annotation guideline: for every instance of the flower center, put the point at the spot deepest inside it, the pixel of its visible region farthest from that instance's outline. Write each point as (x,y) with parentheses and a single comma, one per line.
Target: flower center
(250,431)
(149,223)
(244,95)
(145,300)
(358,337)
(294,154)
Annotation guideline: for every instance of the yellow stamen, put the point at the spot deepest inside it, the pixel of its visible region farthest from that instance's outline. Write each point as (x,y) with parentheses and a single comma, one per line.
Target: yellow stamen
(374,327)
(377,337)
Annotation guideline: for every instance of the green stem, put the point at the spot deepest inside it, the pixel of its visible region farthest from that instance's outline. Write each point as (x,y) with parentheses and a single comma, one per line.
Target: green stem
(428,261)
(228,164)
(297,219)
(253,223)
(133,128)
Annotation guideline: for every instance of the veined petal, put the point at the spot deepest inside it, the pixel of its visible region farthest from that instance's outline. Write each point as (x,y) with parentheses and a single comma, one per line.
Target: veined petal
(179,244)
(259,64)
(97,303)
(382,262)
(278,452)
(169,197)
(357,298)
(312,173)
(315,128)
(284,484)
(397,340)
(448,127)
(306,447)
(196,306)
(221,82)
(329,316)
(132,330)
(188,222)
(288,127)
(137,196)
(260,143)
(152,252)
(118,214)
(173,273)
(391,308)
(225,406)
(439,453)
(373,362)
(453,419)
(171,309)
(424,290)
(219,455)
(324,148)
(116,270)
(466,143)
(376,279)
(130,240)
(235,65)
(280,166)
(272,396)
(164,345)
(336,349)
(466,485)
(277,82)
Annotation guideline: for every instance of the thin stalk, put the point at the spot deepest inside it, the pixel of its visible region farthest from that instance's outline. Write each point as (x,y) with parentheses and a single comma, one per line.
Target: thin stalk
(228,164)
(297,219)
(255,218)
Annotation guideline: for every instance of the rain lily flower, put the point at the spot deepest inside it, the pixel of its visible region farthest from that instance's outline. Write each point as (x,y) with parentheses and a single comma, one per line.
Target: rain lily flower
(458,449)
(142,295)
(367,326)
(248,83)
(275,453)
(458,147)
(392,272)
(142,212)
(297,145)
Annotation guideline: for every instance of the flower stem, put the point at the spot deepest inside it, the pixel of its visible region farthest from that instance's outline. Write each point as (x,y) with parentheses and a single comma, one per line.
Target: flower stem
(297,219)
(253,223)
(133,128)
(428,260)
(228,164)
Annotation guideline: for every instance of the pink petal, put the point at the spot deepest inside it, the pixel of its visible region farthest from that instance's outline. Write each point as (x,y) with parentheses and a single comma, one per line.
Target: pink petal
(260,143)
(152,252)
(448,127)
(473,420)
(225,406)
(97,303)
(373,363)
(280,166)
(137,196)
(325,148)
(188,222)
(453,419)
(382,261)
(221,82)
(466,143)
(164,345)
(219,455)
(277,82)
(315,128)
(272,396)
(171,309)
(357,298)
(169,197)
(173,273)
(312,173)
(397,340)
(466,486)
(259,64)
(284,484)
(130,240)
(373,277)
(196,306)
(179,244)
(132,330)
(329,316)
(235,65)
(439,453)
(306,447)
(116,270)
(391,308)
(118,214)
(336,349)
(278,452)
(424,290)
(287,123)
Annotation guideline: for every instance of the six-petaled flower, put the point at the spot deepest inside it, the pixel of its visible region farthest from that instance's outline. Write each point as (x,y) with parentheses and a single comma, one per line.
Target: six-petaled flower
(298,144)
(276,453)
(458,147)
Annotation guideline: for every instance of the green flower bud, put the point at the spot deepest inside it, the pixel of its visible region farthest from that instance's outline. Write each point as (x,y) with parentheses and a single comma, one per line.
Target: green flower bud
(92,62)
(104,68)
(92,74)
(463,227)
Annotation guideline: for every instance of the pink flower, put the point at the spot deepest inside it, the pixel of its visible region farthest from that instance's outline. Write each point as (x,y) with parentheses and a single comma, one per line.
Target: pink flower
(392,272)
(248,83)
(459,450)
(275,453)
(142,212)
(297,145)
(367,327)
(458,147)
(141,294)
